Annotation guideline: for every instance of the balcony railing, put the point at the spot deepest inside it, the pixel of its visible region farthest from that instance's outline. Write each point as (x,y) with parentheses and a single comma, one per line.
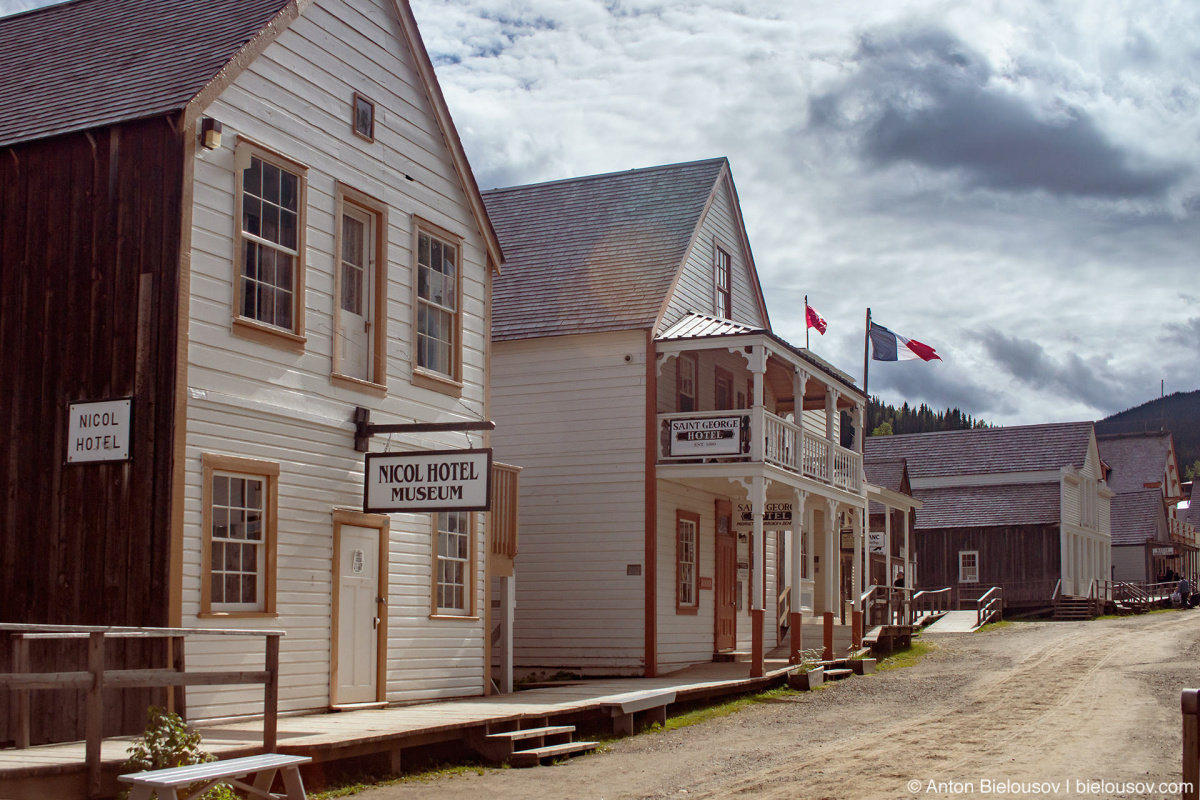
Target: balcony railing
(1182,532)
(727,436)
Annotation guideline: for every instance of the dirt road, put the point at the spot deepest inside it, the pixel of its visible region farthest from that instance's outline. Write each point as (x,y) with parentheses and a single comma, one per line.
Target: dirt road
(1030,709)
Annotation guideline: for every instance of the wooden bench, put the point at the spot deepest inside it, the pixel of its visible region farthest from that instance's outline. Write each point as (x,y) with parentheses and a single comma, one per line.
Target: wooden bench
(167,782)
(622,707)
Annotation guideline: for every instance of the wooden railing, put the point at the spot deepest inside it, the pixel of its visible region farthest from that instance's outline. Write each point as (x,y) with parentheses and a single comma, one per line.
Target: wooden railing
(1182,532)
(785,445)
(783,607)
(930,601)
(989,606)
(96,678)
(503,522)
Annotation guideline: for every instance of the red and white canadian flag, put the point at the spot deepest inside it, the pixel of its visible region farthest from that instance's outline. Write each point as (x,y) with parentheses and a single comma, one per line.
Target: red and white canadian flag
(814,319)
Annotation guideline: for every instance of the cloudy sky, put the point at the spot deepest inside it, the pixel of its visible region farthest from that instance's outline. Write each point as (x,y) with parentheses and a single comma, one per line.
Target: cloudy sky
(1015,183)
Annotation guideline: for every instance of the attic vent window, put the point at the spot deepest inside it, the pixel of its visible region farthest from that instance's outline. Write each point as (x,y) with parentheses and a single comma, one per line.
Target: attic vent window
(364,117)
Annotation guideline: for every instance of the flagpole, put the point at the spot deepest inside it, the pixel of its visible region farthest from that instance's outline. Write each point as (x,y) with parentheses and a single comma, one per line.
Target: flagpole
(867,356)
(806,322)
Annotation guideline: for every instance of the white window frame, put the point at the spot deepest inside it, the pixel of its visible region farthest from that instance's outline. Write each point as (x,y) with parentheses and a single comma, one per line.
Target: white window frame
(251,325)
(443,539)
(968,573)
(428,376)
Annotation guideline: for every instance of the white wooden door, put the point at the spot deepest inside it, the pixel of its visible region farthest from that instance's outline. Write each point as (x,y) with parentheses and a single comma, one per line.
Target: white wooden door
(358,621)
(357,300)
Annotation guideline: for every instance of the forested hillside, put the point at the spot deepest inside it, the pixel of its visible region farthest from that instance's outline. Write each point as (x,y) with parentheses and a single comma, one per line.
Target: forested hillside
(884,419)
(1178,413)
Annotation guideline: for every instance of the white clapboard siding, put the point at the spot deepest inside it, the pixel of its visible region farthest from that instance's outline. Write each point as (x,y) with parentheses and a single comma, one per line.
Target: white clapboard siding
(570,410)
(696,290)
(254,400)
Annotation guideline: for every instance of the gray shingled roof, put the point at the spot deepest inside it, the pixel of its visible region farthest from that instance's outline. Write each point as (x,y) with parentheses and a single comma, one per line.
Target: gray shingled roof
(1136,459)
(90,63)
(1137,516)
(982,451)
(593,254)
(1193,511)
(988,506)
(886,473)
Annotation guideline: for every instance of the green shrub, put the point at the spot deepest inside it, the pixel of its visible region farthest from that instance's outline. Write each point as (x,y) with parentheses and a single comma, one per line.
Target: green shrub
(166,743)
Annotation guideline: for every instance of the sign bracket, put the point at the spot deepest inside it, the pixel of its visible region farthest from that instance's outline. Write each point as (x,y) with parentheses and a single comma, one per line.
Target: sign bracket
(364,429)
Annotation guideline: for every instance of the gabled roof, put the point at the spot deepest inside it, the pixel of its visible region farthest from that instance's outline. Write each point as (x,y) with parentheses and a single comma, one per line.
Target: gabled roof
(984,451)
(1193,511)
(90,63)
(597,253)
(988,506)
(1136,459)
(1137,517)
(887,473)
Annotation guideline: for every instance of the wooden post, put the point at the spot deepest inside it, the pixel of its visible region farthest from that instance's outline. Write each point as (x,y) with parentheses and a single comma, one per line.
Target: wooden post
(20,663)
(95,712)
(508,603)
(271,695)
(1190,704)
(179,693)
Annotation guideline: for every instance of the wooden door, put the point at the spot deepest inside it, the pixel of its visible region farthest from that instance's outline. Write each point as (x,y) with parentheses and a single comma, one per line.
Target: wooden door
(358,621)
(725,583)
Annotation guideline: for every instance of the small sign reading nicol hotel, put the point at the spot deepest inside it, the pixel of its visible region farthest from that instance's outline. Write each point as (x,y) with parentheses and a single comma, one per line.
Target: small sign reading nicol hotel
(428,481)
(98,431)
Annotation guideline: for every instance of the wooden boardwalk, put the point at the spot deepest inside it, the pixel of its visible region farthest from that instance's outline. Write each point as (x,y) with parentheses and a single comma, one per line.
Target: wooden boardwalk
(58,770)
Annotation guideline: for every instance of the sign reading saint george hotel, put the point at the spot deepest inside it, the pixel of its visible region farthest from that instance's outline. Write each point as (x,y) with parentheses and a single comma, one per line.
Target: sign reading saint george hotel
(707,436)
(428,481)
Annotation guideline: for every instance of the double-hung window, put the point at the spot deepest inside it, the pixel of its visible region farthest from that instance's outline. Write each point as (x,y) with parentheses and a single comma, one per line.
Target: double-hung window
(968,566)
(723,279)
(687,564)
(452,572)
(239,497)
(438,309)
(685,382)
(270,281)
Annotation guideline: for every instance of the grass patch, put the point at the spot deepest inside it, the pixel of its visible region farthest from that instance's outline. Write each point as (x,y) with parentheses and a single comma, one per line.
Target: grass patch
(353,786)
(994,626)
(701,714)
(905,657)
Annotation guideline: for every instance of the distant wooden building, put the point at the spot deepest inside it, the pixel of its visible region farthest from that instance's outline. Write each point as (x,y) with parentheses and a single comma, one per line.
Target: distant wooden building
(233,223)
(1023,507)
(1152,541)
(684,488)
(891,563)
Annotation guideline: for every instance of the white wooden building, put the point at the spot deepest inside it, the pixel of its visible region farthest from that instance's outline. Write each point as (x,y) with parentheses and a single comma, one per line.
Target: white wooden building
(331,254)
(656,416)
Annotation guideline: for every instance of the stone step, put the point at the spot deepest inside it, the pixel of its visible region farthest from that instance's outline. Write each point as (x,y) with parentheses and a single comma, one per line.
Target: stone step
(533,757)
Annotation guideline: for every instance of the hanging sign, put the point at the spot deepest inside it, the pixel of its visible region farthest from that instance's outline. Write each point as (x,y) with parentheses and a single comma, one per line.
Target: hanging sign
(776,517)
(875,541)
(705,436)
(1163,551)
(429,481)
(99,431)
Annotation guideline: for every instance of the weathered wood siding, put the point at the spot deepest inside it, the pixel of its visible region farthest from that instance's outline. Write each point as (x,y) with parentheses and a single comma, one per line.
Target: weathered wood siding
(89,261)
(696,288)
(1024,560)
(255,400)
(571,410)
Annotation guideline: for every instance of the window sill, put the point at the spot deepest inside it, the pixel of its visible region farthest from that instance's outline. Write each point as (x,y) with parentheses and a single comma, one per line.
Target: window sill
(268,334)
(358,384)
(436,383)
(454,616)
(237,615)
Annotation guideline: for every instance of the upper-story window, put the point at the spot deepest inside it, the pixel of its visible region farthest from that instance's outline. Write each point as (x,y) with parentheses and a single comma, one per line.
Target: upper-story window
(724,283)
(271,198)
(438,306)
(723,390)
(685,382)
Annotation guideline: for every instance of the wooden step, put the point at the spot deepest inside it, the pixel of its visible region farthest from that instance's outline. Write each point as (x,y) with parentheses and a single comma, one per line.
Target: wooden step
(533,757)
(837,674)
(531,733)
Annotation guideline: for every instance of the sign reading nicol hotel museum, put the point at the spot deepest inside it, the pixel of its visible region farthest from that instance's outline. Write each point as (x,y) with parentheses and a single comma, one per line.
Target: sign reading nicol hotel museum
(428,481)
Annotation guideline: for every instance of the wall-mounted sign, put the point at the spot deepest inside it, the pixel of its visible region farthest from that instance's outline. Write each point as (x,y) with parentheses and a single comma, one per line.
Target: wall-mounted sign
(1163,551)
(847,540)
(428,481)
(705,436)
(706,583)
(875,541)
(99,431)
(776,517)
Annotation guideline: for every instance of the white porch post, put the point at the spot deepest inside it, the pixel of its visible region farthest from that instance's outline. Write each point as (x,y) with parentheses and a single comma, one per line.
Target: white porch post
(797,534)
(909,575)
(856,576)
(833,569)
(888,581)
(758,366)
(758,545)
(831,419)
